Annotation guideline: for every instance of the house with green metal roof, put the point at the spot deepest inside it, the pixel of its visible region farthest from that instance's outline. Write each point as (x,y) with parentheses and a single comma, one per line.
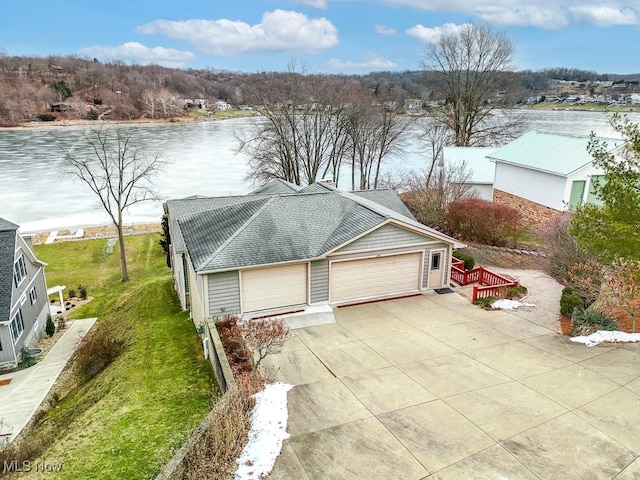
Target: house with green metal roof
(266,254)
(24,303)
(550,168)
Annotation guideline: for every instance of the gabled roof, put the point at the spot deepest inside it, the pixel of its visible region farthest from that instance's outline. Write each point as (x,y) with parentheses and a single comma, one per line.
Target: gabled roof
(8,232)
(284,228)
(387,198)
(551,152)
(276,185)
(474,160)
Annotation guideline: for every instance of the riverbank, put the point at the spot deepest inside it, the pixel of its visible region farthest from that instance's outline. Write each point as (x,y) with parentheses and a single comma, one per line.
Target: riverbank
(91,232)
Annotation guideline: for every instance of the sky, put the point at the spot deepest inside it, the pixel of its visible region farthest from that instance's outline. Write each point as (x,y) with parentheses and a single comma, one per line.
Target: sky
(324,36)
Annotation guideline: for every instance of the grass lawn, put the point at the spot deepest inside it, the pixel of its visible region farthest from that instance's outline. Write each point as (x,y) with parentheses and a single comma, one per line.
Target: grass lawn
(127,421)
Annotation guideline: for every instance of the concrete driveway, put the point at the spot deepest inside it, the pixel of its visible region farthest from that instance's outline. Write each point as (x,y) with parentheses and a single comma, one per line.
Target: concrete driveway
(433,387)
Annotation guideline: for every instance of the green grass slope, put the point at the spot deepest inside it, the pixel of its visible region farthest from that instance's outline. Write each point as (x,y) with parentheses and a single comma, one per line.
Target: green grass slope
(127,421)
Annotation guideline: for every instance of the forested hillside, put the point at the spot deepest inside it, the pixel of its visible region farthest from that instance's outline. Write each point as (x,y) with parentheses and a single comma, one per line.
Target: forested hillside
(69,87)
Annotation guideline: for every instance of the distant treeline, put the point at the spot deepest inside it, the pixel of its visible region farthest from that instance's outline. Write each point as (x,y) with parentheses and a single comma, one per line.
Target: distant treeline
(46,88)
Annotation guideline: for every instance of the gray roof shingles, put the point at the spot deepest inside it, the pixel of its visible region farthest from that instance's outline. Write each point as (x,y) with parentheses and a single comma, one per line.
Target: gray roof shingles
(388,198)
(269,229)
(8,232)
(277,185)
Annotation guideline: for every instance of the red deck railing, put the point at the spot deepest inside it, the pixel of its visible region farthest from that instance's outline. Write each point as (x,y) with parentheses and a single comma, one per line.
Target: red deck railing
(490,284)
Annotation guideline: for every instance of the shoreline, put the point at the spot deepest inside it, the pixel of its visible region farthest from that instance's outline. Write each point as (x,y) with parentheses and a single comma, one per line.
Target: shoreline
(79,122)
(90,232)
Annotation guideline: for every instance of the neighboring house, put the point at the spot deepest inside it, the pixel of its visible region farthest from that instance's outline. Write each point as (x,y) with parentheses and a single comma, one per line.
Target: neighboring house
(24,303)
(278,252)
(473,162)
(222,105)
(551,169)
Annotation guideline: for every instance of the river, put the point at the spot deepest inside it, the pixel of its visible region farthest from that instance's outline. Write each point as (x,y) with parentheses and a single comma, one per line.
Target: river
(36,194)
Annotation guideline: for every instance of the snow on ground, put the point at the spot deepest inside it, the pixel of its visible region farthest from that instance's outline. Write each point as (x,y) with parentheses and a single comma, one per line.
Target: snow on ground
(606,336)
(506,304)
(268,431)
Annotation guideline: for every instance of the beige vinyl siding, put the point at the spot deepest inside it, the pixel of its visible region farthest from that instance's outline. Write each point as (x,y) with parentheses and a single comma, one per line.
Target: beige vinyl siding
(319,281)
(375,277)
(273,287)
(386,236)
(224,293)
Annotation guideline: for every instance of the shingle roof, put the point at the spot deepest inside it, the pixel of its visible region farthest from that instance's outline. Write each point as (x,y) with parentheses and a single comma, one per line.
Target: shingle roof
(317,187)
(388,198)
(277,185)
(282,228)
(8,232)
(550,152)
(474,160)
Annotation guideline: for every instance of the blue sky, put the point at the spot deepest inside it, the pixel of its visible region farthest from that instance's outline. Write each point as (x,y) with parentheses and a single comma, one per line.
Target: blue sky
(331,36)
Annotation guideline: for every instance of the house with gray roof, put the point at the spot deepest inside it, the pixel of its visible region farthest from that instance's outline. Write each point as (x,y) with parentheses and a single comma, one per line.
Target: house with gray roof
(550,169)
(24,303)
(264,254)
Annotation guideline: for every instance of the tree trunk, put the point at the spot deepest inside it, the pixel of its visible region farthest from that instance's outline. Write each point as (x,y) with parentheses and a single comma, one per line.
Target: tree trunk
(123,256)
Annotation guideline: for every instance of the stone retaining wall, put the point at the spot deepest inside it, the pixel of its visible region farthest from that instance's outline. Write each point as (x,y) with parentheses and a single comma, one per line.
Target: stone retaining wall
(533,214)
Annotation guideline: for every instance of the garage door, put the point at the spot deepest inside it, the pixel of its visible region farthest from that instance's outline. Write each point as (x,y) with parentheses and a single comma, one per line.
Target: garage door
(274,287)
(375,277)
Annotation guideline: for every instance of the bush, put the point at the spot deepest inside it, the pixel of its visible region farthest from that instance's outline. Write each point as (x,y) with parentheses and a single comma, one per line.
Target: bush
(570,302)
(562,247)
(468,260)
(93,114)
(483,221)
(46,117)
(96,351)
(72,293)
(50,327)
(83,291)
(485,302)
(516,292)
(590,320)
(26,359)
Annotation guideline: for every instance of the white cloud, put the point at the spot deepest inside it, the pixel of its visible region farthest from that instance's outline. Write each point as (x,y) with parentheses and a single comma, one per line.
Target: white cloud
(386,31)
(279,31)
(431,35)
(371,61)
(547,14)
(322,4)
(605,16)
(139,53)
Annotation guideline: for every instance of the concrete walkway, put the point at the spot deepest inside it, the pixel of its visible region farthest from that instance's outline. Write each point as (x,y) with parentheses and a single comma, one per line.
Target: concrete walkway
(433,387)
(20,399)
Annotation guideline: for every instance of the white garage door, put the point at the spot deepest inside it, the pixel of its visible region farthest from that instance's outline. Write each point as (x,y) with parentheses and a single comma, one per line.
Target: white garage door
(274,287)
(375,277)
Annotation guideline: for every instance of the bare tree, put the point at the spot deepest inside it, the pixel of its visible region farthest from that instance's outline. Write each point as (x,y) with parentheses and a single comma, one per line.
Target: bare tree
(471,71)
(301,134)
(117,170)
(435,136)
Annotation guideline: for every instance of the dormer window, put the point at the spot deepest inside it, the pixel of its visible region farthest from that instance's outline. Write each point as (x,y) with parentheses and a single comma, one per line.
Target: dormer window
(19,270)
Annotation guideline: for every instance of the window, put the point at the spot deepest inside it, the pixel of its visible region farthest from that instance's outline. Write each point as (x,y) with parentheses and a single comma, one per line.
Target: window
(435,261)
(19,270)
(17,326)
(33,295)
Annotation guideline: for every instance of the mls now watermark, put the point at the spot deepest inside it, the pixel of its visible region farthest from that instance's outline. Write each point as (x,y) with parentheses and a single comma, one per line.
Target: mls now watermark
(27,466)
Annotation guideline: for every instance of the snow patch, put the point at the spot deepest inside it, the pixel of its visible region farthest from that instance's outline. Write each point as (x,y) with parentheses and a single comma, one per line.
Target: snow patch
(268,431)
(506,304)
(600,336)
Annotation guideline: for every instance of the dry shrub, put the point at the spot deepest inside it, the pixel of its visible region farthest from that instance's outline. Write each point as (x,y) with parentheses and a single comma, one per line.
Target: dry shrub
(97,350)
(226,435)
(263,336)
(562,247)
(483,221)
(237,353)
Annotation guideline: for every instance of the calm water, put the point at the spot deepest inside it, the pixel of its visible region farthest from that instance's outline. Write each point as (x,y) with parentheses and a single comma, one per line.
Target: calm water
(36,194)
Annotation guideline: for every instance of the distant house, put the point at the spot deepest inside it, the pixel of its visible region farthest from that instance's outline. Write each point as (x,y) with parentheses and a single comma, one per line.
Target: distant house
(474,164)
(285,248)
(24,303)
(221,105)
(549,169)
